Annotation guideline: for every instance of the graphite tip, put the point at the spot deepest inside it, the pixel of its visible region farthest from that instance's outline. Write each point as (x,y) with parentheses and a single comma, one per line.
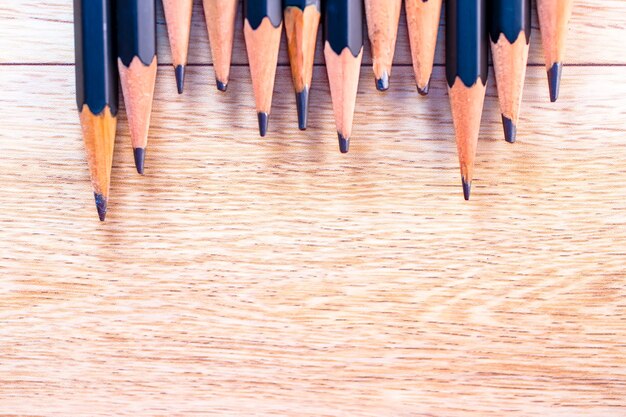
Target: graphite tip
(302,104)
(423,91)
(510,130)
(554,80)
(344,143)
(222,86)
(382,83)
(180,78)
(140,156)
(101,206)
(264,119)
(467,187)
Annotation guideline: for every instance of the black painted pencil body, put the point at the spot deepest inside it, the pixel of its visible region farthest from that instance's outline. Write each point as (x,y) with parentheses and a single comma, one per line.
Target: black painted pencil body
(466,74)
(96,90)
(137,63)
(302,19)
(343,50)
(263,23)
(509,35)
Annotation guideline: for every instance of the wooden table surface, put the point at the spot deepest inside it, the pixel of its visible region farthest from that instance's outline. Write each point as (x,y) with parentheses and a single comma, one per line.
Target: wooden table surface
(254,277)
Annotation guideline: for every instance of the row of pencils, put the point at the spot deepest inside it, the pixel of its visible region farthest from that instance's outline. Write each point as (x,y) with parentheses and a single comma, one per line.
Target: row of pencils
(116,45)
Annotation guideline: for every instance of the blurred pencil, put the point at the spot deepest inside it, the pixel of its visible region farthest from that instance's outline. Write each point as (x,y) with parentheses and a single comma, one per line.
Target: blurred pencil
(383,17)
(263,24)
(220,22)
(509,32)
(96,91)
(343,50)
(466,73)
(137,64)
(422,17)
(302,20)
(554,17)
(178,19)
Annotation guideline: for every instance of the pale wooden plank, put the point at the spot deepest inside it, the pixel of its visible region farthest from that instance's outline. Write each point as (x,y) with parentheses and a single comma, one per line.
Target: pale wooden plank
(248,276)
(46,35)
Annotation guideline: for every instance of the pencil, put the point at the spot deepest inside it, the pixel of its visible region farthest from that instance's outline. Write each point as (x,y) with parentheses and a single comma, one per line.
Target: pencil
(422,17)
(466,74)
(554,16)
(96,91)
(263,24)
(383,17)
(302,20)
(509,34)
(137,64)
(220,18)
(178,19)
(343,50)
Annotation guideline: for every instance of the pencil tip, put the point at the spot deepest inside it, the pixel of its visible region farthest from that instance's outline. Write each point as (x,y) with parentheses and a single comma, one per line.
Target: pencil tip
(554,80)
(423,91)
(382,83)
(140,156)
(510,130)
(467,187)
(180,78)
(264,119)
(222,86)
(344,143)
(302,104)
(101,205)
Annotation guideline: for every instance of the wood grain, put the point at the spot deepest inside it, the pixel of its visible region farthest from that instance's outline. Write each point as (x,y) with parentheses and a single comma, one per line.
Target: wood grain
(276,277)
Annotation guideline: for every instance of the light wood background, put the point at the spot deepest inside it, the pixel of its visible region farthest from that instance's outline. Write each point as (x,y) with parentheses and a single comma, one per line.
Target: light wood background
(254,277)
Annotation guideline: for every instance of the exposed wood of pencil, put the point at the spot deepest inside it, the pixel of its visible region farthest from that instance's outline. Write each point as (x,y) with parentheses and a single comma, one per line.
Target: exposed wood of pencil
(509,61)
(383,17)
(99,137)
(138,81)
(554,16)
(343,77)
(423,25)
(178,19)
(263,45)
(466,104)
(220,18)
(301,28)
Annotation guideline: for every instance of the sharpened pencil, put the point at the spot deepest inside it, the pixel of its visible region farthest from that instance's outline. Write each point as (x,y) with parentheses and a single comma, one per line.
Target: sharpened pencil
(178,19)
(466,74)
(137,64)
(302,20)
(509,34)
(422,18)
(554,17)
(343,50)
(383,17)
(96,91)
(220,18)
(262,27)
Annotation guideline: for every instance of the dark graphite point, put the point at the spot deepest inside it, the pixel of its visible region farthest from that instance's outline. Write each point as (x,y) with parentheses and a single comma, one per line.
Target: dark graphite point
(510,130)
(221,86)
(424,91)
(101,205)
(382,83)
(554,80)
(302,104)
(140,156)
(264,119)
(180,78)
(467,187)
(344,143)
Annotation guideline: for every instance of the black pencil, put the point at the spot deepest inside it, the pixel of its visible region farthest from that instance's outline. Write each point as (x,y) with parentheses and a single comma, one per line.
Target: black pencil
(178,19)
(137,63)
(383,17)
(343,50)
(302,19)
(263,24)
(466,73)
(96,90)
(220,16)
